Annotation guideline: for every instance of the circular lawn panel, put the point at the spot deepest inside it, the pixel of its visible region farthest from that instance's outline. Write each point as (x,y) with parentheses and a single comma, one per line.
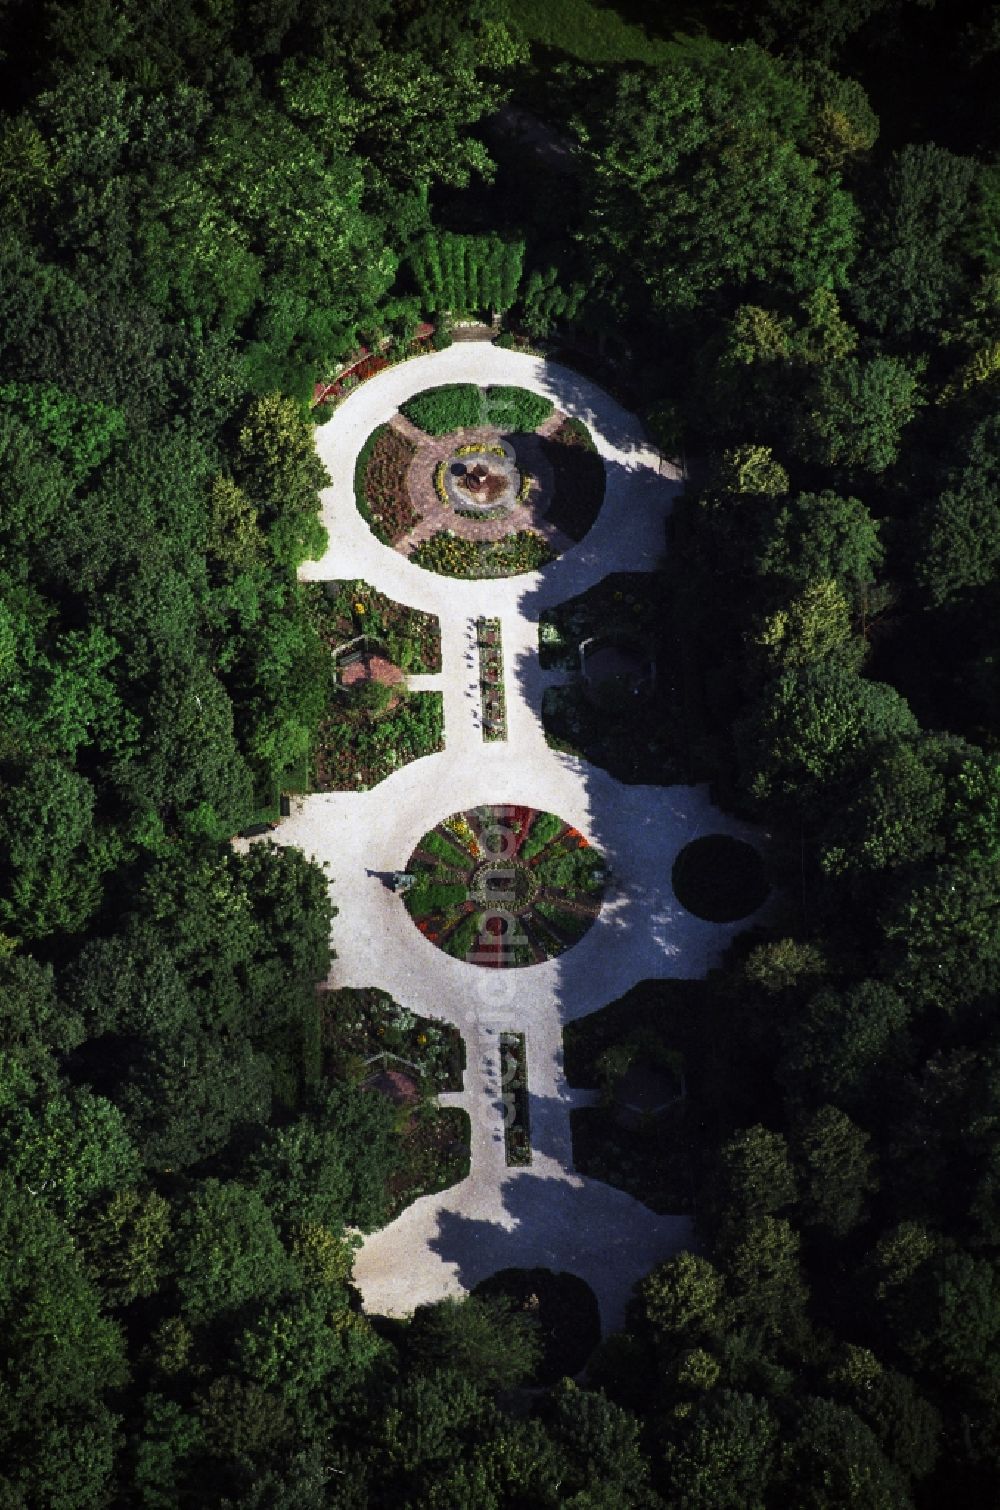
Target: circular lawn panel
(501,886)
(719,879)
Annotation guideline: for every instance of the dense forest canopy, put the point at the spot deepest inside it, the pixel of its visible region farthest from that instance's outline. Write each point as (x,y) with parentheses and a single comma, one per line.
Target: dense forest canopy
(772,230)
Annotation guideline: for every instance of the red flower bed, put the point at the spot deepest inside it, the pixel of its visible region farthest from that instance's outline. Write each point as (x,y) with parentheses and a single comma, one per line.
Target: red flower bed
(366,369)
(384,484)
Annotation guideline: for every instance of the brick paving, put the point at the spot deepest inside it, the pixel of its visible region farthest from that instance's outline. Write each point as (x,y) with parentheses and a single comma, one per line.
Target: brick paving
(436,516)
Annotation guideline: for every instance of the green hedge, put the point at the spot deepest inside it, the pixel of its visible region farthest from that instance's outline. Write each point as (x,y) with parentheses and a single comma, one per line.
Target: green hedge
(516,409)
(454,406)
(719,878)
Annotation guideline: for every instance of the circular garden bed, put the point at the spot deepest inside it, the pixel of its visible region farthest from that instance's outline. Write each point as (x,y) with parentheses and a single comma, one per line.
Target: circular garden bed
(719,879)
(502,886)
(564,1309)
(496,483)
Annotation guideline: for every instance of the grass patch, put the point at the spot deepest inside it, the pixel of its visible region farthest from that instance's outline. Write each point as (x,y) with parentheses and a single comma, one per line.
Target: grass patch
(719,878)
(514,410)
(434,1154)
(443,849)
(545,828)
(657,1162)
(641,746)
(673,1010)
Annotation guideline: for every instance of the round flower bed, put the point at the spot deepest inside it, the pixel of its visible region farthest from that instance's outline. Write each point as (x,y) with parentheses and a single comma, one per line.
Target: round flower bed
(502,886)
(508,481)
(719,879)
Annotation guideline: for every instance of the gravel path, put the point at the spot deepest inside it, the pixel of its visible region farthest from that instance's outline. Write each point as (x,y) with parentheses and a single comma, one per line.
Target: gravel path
(545,1214)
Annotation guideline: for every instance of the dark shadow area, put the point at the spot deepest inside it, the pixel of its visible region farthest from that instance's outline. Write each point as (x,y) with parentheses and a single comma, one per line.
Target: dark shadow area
(580,1227)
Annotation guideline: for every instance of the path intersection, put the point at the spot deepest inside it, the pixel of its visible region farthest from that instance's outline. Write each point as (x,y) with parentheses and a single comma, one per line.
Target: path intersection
(545,1214)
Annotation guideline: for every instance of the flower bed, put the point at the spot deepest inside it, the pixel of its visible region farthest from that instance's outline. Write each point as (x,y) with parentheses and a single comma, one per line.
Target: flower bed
(447,554)
(626,603)
(358,746)
(659,1160)
(343,610)
(380,484)
(578,478)
(504,886)
(719,878)
(435,1152)
(358,1023)
(492,695)
(514,1096)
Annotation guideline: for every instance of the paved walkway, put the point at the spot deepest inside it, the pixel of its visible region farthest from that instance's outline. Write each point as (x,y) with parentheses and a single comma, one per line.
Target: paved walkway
(546,1214)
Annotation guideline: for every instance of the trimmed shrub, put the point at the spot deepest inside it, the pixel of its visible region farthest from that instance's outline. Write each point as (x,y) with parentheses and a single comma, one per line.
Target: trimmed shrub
(438,411)
(719,878)
(516,409)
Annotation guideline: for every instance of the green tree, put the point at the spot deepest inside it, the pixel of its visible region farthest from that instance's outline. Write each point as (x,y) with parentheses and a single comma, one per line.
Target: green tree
(36,1027)
(956,540)
(226,1251)
(897,816)
(723,1456)
(701,182)
(52,854)
(943,930)
(813,626)
(857,412)
(910,276)
(277,468)
(68,1149)
(484,1339)
(812,727)
(760,1260)
(682,1298)
(835,1046)
(59,1359)
(907,1427)
(752,1177)
(123,1239)
(837,1171)
(601,1443)
(834,1458)
(307,1357)
(814,537)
